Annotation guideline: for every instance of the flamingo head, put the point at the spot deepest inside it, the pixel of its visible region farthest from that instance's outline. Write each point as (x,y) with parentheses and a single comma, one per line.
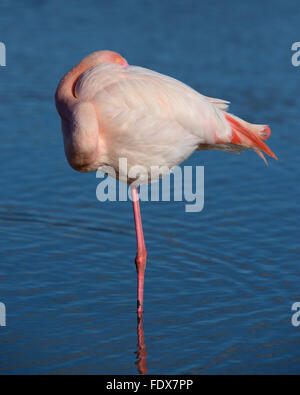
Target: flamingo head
(117,58)
(100,57)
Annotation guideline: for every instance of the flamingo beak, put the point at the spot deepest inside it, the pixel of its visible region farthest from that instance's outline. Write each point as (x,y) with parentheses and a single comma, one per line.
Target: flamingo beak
(121,61)
(124,63)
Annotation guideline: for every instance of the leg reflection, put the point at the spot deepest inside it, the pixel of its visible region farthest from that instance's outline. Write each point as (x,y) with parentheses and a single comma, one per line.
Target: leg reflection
(141,352)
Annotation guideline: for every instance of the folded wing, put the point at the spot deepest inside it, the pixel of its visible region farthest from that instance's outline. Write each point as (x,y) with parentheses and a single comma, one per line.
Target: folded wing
(147,112)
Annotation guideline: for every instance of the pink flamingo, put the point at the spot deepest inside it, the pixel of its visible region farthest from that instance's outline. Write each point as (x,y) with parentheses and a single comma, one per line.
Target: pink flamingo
(111,110)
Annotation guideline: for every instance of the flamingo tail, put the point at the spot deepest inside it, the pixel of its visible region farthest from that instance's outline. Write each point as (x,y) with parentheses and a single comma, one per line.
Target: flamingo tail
(246,135)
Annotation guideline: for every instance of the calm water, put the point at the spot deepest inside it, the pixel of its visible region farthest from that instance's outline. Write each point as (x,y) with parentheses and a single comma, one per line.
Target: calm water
(220,283)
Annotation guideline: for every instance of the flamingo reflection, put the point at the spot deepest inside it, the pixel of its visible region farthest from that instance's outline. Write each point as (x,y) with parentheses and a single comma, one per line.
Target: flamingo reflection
(141,352)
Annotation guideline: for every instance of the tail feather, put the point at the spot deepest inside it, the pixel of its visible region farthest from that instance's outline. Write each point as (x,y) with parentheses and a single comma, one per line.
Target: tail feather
(249,135)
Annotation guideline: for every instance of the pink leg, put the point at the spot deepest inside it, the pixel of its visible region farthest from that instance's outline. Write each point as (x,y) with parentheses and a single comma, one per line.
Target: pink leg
(141,255)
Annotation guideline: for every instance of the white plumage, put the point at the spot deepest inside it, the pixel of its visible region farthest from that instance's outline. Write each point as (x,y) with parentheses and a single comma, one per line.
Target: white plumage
(148,118)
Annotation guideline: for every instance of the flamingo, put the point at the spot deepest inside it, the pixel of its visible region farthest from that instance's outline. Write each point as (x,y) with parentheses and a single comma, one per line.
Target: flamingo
(110,110)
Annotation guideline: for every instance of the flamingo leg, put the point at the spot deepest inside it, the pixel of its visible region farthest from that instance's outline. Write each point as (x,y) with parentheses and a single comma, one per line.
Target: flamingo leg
(140,260)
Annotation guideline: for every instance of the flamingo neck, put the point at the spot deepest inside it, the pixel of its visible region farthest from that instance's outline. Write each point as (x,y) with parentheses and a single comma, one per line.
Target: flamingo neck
(65,94)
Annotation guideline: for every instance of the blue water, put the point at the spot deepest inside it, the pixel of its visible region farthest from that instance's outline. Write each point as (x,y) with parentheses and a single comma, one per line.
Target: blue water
(220,283)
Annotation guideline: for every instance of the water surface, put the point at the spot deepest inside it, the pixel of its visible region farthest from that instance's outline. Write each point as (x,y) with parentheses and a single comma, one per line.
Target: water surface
(220,283)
